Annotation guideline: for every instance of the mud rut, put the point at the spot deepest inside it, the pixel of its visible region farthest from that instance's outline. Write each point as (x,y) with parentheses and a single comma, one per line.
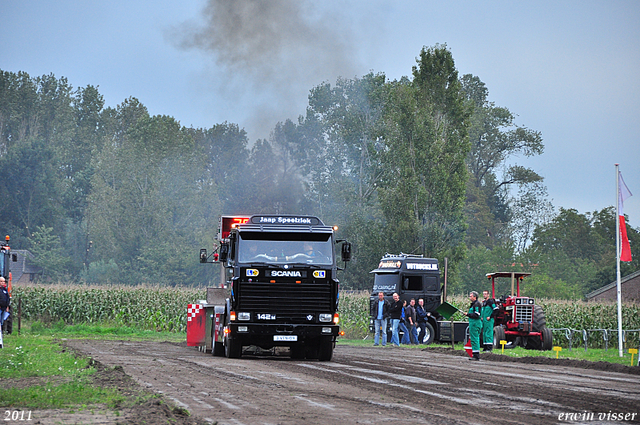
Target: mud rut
(369,385)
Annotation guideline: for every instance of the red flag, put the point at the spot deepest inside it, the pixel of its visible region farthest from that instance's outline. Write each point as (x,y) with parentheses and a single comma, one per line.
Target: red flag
(623,194)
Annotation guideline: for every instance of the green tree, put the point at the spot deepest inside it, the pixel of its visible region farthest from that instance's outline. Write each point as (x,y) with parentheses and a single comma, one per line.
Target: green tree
(423,162)
(30,188)
(495,138)
(48,253)
(337,152)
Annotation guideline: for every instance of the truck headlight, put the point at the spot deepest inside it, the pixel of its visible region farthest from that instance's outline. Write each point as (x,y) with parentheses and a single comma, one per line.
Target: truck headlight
(325,317)
(243,328)
(244,316)
(326,330)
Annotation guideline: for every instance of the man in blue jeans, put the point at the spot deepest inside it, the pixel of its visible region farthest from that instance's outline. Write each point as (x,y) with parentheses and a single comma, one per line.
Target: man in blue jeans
(381,314)
(395,313)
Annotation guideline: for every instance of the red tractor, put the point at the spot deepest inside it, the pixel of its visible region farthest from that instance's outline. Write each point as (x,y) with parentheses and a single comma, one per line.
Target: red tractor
(520,321)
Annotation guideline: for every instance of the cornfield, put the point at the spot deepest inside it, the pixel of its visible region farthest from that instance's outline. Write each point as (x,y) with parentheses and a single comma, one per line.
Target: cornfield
(164,309)
(158,308)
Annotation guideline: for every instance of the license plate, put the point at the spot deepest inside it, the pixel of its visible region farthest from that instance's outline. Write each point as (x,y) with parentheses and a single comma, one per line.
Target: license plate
(285,337)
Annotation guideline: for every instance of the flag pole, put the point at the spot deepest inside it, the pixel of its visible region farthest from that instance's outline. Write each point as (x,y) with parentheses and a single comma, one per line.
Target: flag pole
(618,289)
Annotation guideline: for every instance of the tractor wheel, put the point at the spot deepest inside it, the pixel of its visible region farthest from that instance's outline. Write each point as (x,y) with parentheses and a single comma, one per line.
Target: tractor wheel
(498,335)
(533,343)
(539,319)
(539,322)
(547,339)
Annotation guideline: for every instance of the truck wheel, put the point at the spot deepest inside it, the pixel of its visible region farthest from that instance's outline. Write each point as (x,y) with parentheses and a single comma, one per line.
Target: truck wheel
(218,349)
(312,351)
(325,351)
(298,351)
(429,334)
(232,349)
(547,339)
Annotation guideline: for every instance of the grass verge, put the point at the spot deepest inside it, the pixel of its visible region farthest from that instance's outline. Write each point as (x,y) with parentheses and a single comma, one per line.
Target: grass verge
(592,354)
(38,373)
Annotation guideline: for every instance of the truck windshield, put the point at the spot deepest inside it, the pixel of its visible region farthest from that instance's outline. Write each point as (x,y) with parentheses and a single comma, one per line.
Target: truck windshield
(285,248)
(386,282)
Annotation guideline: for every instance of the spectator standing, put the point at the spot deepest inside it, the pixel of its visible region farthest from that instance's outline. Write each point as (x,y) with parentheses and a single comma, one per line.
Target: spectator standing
(421,317)
(403,324)
(410,313)
(5,300)
(475,324)
(380,322)
(395,313)
(488,313)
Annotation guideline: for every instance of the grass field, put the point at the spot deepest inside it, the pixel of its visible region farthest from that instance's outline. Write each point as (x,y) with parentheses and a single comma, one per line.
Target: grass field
(60,379)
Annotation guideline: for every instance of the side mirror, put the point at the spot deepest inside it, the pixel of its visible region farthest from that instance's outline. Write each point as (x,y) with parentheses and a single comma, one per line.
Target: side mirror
(203,255)
(14,258)
(346,251)
(224,251)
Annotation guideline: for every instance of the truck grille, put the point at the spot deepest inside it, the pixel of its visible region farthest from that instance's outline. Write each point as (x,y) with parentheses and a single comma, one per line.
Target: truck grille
(524,313)
(290,302)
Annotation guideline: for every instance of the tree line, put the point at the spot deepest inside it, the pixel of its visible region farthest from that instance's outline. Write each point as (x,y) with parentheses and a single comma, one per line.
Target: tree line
(424,165)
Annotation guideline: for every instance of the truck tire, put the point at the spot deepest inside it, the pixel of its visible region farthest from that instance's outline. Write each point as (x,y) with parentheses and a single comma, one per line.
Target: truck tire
(547,339)
(325,351)
(232,349)
(298,351)
(429,335)
(218,349)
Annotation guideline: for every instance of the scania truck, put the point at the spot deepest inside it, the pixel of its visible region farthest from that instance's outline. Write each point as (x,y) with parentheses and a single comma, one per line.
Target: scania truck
(280,274)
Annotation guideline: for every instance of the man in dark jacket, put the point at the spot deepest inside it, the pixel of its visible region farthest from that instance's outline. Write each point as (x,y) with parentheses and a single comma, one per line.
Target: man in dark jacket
(410,315)
(475,324)
(380,316)
(421,317)
(4,299)
(395,313)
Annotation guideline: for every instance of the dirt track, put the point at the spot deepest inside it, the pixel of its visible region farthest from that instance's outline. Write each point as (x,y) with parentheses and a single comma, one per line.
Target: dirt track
(368,385)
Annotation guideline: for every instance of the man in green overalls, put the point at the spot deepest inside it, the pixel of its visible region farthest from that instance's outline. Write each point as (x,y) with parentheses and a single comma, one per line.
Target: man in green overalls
(489,311)
(475,324)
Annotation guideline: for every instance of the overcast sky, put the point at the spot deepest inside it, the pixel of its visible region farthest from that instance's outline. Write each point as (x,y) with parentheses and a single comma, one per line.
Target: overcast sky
(569,69)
